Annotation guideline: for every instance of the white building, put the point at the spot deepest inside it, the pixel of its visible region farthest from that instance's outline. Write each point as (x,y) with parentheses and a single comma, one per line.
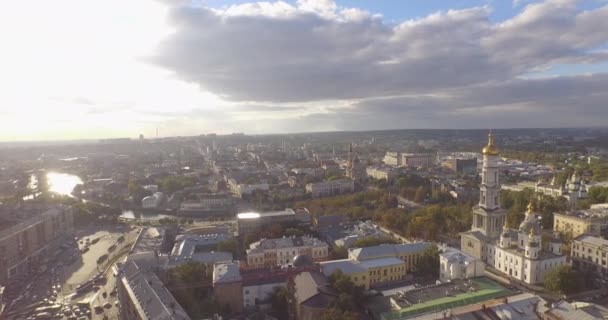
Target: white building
(153,201)
(392,158)
(281,251)
(454,264)
(329,188)
(517,253)
(240,190)
(386,173)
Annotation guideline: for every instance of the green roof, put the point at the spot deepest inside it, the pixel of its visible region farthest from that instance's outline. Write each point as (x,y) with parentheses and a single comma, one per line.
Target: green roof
(488,290)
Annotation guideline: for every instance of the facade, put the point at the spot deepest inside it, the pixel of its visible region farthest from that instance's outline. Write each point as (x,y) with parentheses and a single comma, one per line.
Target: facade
(209,203)
(589,253)
(415,160)
(460,165)
(368,273)
(228,285)
(392,158)
(517,253)
(378,173)
(330,188)
(378,265)
(578,222)
(355,169)
(454,264)
(281,251)
(143,296)
(25,247)
(251,222)
(152,202)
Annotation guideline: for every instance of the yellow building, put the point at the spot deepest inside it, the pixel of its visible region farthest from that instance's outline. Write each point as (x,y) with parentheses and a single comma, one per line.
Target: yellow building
(576,223)
(590,253)
(377,265)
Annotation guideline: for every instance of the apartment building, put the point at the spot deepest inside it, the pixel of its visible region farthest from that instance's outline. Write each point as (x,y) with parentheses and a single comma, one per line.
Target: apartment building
(26,246)
(415,160)
(143,296)
(282,251)
(578,222)
(378,173)
(589,253)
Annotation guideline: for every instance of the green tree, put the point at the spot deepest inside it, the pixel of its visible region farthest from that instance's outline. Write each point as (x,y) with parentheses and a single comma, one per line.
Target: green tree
(372,241)
(229,245)
(428,263)
(339,252)
(337,314)
(293,232)
(563,280)
(278,301)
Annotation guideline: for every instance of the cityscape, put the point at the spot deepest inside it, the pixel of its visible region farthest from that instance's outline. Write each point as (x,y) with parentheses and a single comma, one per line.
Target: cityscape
(304,160)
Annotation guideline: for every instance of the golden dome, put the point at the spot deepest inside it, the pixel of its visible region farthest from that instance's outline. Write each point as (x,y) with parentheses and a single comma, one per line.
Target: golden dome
(531,207)
(490,149)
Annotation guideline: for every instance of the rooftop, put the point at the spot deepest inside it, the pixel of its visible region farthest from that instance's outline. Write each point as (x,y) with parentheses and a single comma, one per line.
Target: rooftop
(4,233)
(445,296)
(256,215)
(596,241)
(151,298)
(387,250)
(226,273)
(287,242)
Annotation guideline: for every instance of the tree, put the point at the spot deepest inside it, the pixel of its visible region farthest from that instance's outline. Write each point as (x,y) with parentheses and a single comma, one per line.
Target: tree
(278,301)
(563,280)
(339,252)
(293,232)
(372,241)
(229,245)
(428,263)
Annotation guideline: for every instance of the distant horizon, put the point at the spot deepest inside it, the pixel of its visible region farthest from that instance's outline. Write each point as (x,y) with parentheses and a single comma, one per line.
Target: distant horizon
(135,138)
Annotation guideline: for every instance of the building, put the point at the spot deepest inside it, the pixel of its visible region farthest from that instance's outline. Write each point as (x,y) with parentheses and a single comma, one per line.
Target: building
(417,160)
(345,235)
(252,222)
(589,253)
(462,165)
(392,158)
(368,273)
(330,188)
(454,264)
(577,222)
(281,251)
(473,298)
(198,248)
(378,173)
(228,285)
(313,295)
(25,247)
(563,310)
(143,296)
(574,189)
(355,169)
(378,265)
(517,253)
(209,204)
(241,190)
(153,201)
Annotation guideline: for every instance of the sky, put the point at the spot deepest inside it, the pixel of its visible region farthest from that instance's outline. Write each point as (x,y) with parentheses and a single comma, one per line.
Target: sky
(72,69)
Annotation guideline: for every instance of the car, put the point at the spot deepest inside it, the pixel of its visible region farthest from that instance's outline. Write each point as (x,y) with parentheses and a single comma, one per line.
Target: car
(107,305)
(116,303)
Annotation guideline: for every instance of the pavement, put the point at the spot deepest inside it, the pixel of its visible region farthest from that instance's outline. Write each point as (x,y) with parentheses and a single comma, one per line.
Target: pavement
(55,288)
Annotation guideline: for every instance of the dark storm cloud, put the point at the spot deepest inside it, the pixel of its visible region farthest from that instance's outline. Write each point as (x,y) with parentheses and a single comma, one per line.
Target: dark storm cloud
(440,69)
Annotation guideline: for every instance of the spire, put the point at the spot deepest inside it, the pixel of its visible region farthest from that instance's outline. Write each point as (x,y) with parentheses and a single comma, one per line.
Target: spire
(350,148)
(490,149)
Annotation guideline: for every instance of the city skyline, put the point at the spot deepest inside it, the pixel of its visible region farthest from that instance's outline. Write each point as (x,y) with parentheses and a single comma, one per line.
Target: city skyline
(87,71)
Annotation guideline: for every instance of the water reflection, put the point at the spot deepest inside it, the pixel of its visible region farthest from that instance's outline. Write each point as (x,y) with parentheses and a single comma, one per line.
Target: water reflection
(62,183)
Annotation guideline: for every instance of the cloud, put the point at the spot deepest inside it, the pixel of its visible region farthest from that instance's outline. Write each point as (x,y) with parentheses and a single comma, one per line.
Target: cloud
(315,50)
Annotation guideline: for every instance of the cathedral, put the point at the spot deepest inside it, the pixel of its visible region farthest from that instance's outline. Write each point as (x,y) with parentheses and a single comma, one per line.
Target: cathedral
(575,188)
(518,253)
(355,170)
